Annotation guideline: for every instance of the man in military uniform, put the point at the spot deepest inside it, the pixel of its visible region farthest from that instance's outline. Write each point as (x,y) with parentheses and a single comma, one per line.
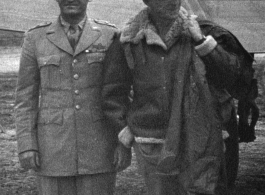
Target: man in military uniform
(62,132)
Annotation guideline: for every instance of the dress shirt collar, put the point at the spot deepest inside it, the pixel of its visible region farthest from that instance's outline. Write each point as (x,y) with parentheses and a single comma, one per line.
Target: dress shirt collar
(66,25)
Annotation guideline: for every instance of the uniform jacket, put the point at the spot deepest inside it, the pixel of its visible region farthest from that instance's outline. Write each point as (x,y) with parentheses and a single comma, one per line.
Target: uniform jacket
(182,95)
(58,99)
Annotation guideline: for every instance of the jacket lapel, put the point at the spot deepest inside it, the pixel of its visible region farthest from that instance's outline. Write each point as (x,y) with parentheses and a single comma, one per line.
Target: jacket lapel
(58,37)
(89,35)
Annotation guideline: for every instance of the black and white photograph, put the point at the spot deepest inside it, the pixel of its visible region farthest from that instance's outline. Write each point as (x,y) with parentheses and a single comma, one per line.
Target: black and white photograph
(132,97)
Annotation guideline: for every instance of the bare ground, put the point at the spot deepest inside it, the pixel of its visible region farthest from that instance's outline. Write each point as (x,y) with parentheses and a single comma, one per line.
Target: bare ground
(16,181)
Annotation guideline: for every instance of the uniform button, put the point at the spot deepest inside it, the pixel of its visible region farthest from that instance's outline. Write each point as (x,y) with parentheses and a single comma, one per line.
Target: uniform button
(76,76)
(77,92)
(78,107)
(95,28)
(74,62)
(88,51)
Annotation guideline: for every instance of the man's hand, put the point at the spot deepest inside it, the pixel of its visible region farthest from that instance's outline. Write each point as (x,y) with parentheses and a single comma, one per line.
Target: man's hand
(193,26)
(122,157)
(126,137)
(29,160)
(225,135)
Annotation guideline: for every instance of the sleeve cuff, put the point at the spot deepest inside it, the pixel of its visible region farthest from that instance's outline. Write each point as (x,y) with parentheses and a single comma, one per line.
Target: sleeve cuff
(26,143)
(207,46)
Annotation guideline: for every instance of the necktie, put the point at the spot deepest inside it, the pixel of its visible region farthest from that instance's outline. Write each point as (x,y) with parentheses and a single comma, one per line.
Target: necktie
(73,35)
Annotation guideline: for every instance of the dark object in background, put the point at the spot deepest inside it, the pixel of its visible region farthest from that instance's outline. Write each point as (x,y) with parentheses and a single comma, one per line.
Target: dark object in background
(247,108)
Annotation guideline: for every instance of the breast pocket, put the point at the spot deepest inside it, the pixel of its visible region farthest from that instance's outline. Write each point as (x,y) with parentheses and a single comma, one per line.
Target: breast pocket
(95,58)
(95,67)
(50,71)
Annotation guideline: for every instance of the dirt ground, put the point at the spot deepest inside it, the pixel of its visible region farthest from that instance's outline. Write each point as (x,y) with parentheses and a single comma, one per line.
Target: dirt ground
(16,181)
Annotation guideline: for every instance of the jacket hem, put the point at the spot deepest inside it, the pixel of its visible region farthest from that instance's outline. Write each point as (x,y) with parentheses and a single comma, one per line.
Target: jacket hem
(143,140)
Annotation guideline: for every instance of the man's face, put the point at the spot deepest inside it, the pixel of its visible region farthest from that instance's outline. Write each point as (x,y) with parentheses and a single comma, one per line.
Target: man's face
(165,8)
(72,7)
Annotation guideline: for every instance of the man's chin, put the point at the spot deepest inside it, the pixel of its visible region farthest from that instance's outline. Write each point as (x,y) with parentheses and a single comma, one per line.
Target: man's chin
(169,15)
(71,12)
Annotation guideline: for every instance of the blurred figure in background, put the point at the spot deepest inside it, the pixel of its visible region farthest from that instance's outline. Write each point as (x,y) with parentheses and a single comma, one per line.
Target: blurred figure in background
(248,113)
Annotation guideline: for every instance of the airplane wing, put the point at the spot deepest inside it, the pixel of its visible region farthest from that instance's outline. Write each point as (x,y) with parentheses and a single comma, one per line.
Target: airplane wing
(244,18)
(20,15)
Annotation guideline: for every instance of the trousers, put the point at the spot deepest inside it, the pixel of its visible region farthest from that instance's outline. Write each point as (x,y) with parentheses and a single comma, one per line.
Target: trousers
(94,184)
(147,157)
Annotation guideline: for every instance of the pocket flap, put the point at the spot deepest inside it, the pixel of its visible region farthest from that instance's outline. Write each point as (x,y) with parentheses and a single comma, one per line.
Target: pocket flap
(49,60)
(95,57)
(50,117)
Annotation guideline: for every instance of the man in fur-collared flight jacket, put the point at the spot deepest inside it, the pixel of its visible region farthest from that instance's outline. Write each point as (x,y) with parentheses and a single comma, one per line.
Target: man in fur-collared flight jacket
(184,75)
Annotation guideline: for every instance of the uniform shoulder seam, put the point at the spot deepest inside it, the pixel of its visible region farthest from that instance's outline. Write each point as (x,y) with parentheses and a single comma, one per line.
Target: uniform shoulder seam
(44,24)
(104,22)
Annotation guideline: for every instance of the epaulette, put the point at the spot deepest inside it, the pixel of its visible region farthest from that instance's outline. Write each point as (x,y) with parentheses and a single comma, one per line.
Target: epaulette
(40,25)
(104,23)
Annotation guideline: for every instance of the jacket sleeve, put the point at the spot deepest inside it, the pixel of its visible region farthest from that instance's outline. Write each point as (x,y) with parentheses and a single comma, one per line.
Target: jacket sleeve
(228,65)
(116,86)
(27,97)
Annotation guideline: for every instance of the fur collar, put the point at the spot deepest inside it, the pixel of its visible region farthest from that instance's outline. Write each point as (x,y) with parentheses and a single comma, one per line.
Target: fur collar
(140,27)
